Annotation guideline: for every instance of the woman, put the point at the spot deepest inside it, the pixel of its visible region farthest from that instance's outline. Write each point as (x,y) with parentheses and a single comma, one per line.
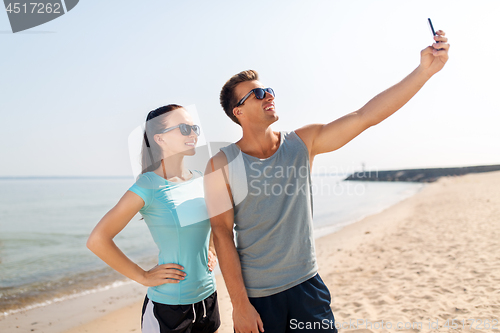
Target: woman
(181,296)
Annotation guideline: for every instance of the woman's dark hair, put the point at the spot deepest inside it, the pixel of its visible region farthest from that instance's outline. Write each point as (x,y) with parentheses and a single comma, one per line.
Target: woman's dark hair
(155,123)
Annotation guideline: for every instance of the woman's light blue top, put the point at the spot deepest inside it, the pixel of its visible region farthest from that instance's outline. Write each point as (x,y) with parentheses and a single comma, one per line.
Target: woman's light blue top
(177,217)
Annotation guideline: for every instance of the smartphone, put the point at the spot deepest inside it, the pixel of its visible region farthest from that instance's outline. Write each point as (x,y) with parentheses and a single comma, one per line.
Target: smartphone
(431,27)
(432,30)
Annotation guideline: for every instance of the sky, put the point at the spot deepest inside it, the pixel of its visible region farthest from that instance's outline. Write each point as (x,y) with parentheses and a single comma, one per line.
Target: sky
(74,89)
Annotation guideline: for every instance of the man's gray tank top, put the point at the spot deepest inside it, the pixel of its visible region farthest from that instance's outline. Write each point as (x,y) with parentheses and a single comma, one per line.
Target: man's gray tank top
(273,216)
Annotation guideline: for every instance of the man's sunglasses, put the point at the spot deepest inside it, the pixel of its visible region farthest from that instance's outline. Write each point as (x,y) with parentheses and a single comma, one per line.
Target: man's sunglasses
(260,93)
(185,129)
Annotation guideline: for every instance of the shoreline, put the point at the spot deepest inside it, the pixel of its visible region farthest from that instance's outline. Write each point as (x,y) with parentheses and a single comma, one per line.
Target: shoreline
(55,300)
(66,288)
(432,256)
(61,316)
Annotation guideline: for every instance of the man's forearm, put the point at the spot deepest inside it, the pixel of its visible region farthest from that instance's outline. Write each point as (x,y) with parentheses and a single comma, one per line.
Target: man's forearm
(229,262)
(389,101)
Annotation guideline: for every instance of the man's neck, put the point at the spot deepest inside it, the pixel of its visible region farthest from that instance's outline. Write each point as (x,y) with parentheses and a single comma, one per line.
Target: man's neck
(259,142)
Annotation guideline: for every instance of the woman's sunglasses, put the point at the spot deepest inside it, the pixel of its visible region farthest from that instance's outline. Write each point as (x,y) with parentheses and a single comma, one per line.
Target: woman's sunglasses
(260,93)
(185,129)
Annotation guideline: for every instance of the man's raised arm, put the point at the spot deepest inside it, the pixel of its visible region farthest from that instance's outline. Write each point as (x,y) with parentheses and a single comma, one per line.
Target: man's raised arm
(220,209)
(323,138)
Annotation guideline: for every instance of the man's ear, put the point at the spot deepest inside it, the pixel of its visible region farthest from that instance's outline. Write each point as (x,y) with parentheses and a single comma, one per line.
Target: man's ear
(237,112)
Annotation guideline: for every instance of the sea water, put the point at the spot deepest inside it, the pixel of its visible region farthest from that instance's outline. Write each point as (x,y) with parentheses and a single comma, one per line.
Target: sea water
(45,223)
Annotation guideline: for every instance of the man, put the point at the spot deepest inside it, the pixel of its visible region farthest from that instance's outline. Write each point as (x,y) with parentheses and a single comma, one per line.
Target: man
(261,186)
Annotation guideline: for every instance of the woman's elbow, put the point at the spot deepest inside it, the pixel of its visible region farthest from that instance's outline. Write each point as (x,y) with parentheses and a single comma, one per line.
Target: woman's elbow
(90,243)
(93,242)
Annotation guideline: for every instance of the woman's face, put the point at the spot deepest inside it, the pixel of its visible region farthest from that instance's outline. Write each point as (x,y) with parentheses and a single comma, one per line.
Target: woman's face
(173,142)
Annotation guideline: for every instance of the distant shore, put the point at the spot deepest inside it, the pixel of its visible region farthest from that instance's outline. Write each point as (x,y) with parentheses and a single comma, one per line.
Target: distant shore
(419,175)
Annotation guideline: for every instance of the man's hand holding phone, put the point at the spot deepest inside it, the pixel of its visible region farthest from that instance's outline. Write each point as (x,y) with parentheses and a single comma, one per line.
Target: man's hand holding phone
(434,57)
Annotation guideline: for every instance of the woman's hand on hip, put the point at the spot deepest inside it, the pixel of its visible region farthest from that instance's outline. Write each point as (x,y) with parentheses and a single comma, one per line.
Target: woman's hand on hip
(161,274)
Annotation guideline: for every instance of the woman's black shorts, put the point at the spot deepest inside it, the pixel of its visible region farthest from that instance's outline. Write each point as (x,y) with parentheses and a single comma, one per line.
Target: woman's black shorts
(201,317)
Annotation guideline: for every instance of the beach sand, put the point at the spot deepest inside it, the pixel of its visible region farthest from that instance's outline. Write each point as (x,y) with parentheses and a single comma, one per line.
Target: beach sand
(430,258)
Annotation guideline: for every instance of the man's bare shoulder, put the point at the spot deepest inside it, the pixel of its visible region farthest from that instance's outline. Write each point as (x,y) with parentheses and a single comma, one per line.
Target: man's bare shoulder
(218,161)
(308,133)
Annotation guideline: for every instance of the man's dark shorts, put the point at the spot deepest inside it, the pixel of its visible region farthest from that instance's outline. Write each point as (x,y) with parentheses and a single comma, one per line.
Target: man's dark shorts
(303,308)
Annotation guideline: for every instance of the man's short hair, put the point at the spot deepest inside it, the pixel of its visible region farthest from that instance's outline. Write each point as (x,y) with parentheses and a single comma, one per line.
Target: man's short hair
(227,97)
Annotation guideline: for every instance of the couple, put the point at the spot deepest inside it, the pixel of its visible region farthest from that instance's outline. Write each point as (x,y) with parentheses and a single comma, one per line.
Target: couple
(271,272)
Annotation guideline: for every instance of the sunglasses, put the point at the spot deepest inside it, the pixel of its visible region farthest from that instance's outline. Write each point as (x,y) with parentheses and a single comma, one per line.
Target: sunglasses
(185,129)
(260,93)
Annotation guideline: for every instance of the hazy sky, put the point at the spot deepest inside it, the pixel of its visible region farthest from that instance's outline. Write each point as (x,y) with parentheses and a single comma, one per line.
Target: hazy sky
(72,90)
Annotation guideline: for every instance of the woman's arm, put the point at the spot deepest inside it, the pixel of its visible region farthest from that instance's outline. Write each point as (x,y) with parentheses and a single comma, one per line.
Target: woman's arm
(101,243)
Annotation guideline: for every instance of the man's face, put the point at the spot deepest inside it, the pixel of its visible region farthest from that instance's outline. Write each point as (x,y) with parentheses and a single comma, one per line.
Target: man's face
(253,110)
